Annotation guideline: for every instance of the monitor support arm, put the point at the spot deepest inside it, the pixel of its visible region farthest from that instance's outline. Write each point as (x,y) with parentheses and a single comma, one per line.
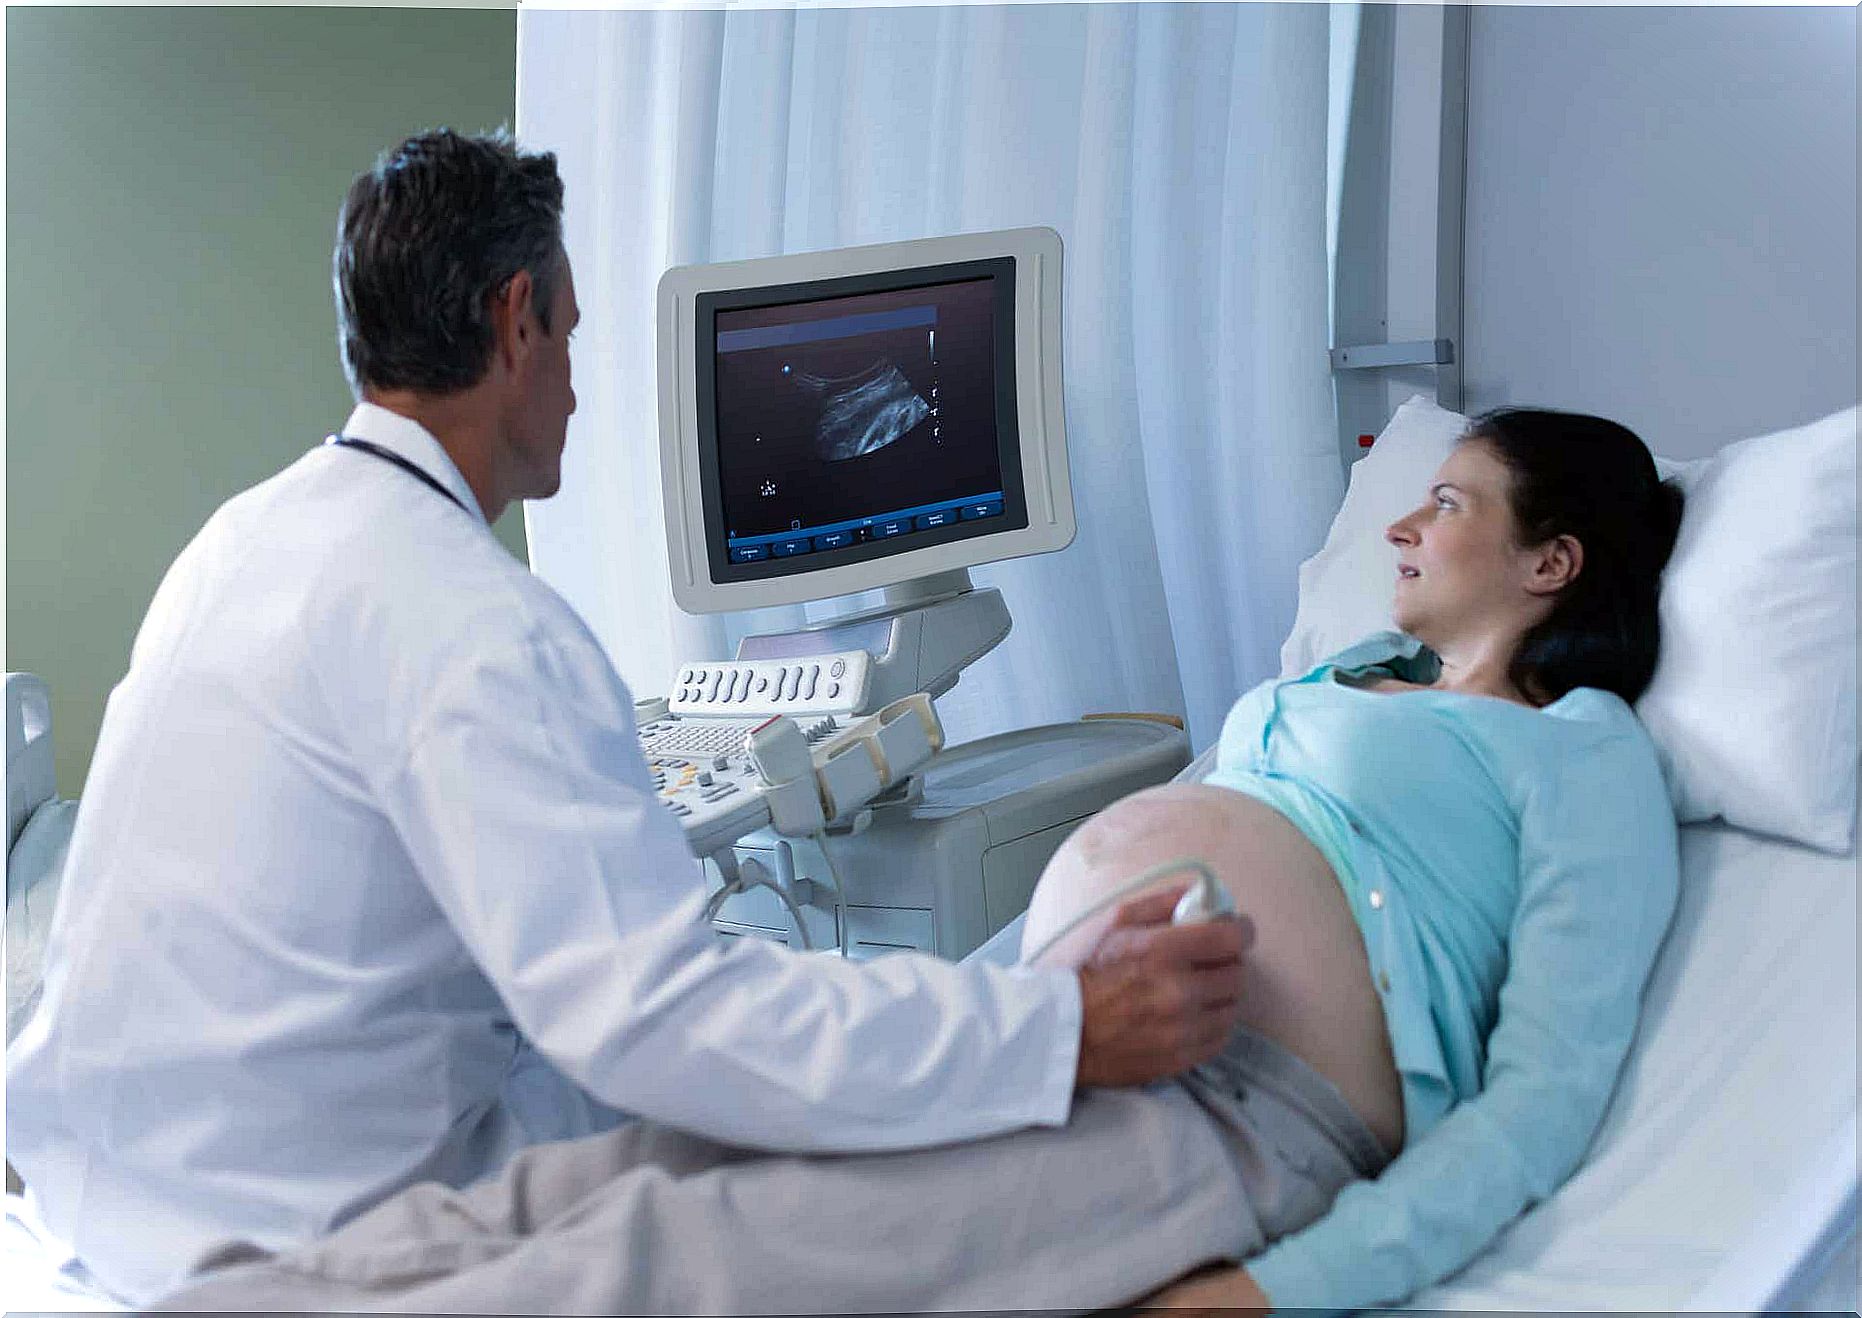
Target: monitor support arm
(921,638)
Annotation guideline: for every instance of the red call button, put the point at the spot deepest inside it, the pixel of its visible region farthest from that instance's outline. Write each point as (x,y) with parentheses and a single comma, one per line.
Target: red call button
(1365,441)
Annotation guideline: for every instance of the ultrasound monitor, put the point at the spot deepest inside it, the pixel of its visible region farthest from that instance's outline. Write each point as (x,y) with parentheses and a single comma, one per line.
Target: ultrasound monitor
(832,422)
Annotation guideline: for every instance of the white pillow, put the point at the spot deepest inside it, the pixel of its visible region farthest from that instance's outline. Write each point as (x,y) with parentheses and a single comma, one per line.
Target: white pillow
(1753,705)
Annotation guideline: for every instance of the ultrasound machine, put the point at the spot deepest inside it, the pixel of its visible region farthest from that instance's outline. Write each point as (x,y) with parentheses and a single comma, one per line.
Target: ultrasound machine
(875,418)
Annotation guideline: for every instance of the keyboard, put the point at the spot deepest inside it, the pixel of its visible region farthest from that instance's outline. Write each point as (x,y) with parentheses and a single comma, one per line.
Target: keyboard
(705,738)
(703,776)
(697,738)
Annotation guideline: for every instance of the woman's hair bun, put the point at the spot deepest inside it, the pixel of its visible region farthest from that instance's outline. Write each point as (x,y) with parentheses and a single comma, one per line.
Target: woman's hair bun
(1666,503)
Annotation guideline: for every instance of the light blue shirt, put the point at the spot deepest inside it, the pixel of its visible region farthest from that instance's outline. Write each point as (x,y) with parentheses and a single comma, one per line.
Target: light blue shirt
(1513,871)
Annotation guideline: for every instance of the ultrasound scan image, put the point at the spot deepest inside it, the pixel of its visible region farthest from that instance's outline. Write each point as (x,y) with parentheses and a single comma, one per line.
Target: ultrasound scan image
(859,407)
(863,413)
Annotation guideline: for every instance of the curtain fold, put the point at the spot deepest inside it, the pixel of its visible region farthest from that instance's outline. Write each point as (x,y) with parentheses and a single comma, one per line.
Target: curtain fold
(1180,151)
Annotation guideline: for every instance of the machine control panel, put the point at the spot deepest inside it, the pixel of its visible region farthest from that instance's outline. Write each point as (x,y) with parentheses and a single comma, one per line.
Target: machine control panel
(705,778)
(706,770)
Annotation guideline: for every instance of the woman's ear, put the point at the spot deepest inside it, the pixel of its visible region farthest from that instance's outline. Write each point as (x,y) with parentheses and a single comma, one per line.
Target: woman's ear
(1555,565)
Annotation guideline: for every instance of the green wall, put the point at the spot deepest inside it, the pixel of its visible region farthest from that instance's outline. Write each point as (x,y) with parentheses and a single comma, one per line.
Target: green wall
(172,183)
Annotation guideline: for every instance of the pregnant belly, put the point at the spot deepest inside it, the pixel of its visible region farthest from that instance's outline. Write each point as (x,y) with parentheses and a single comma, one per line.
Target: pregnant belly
(1307,983)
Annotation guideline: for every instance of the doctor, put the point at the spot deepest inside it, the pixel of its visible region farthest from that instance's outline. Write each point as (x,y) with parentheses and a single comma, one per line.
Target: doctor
(370,885)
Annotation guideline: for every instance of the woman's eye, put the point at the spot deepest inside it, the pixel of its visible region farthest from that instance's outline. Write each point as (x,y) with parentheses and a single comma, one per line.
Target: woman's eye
(1443,501)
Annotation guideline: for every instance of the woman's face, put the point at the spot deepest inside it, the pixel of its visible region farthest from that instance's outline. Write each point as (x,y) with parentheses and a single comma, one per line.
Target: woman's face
(1459,571)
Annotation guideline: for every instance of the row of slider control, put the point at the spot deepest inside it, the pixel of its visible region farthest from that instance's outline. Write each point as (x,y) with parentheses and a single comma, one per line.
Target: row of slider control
(735,685)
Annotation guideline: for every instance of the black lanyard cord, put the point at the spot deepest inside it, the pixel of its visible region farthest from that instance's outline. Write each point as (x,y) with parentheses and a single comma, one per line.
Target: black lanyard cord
(389,455)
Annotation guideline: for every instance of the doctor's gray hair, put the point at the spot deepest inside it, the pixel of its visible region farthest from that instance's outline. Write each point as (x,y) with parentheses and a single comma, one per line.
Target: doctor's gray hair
(425,241)
(1593,480)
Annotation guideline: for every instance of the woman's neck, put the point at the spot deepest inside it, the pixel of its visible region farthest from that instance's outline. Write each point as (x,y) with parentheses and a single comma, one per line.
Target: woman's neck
(1479,666)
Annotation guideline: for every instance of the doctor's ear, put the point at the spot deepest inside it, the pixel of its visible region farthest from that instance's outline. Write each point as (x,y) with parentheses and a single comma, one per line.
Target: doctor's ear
(511,316)
(1555,565)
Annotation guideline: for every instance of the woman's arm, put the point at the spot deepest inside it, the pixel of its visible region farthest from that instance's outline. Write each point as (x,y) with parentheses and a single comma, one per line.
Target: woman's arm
(1210,1290)
(1598,887)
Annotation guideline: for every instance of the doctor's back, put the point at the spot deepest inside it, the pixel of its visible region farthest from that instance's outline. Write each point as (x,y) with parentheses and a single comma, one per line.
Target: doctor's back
(255,1012)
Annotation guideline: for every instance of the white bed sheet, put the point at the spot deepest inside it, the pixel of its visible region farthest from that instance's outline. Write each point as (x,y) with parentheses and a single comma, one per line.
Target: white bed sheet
(1728,1155)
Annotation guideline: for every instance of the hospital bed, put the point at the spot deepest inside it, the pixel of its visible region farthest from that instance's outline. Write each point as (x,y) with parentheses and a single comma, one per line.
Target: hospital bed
(1723,1178)
(1724,1175)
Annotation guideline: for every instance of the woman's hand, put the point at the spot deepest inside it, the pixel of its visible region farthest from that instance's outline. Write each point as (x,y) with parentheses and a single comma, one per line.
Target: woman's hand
(1156,998)
(1219,1289)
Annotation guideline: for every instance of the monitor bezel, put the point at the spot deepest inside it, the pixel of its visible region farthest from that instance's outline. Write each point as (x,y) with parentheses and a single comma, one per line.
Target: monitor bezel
(1039,417)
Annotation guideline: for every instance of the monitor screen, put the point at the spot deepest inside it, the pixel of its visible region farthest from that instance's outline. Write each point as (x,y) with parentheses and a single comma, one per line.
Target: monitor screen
(853,418)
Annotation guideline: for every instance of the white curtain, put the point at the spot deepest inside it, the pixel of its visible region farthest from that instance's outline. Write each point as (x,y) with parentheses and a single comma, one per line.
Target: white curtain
(1180,151)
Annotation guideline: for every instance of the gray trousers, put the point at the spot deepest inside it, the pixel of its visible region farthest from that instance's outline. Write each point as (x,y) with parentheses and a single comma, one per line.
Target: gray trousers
(1141,1186)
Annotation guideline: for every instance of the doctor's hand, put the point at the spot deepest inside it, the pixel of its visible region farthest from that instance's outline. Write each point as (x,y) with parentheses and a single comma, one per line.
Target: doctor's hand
(1158,998)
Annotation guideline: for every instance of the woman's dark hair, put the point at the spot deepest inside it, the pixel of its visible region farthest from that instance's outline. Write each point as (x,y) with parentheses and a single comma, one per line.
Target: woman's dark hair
(425,239)
(1595,481)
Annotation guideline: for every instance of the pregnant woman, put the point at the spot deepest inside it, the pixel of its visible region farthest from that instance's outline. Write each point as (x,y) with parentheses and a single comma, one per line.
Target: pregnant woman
(1458,855)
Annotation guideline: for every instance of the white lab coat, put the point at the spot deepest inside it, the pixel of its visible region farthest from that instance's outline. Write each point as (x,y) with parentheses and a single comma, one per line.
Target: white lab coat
(366,815)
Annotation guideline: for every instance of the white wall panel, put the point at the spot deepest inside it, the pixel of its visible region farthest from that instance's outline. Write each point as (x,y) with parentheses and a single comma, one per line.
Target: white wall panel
(1661,218)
